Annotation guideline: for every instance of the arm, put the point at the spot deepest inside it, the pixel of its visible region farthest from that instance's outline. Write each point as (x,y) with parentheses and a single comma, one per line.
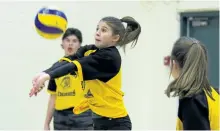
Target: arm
(50,110)
(79,54)
(55,66)
(194,113)
(51,103)
(103,65)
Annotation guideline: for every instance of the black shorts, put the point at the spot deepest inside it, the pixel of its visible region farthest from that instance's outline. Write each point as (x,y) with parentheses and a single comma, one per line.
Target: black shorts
(105,123)
(66,120)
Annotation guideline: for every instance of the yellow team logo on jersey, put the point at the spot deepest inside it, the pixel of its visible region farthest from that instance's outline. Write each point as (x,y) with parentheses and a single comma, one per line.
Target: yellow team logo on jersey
(65,83)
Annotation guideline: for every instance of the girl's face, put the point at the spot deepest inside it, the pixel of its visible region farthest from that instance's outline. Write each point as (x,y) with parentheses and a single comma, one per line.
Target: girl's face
(175,70)
(104,36)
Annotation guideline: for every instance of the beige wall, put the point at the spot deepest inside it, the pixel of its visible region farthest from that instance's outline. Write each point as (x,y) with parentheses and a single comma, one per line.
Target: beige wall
(23,53)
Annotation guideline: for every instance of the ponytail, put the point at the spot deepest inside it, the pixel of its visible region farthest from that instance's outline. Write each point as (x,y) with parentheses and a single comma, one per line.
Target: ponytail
(194,69)
(132,32)
(126,35)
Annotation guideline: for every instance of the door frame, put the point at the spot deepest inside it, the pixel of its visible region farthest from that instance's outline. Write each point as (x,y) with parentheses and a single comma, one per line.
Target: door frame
(185,15)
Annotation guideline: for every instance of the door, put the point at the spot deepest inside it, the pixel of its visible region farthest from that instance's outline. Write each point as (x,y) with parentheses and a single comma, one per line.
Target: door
(204,26)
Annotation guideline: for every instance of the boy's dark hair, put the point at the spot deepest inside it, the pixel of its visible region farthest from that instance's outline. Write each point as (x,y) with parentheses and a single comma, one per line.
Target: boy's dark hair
(73,31)
(191,56)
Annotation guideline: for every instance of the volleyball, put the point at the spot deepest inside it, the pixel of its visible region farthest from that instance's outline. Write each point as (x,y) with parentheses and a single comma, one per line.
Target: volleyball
(50,22)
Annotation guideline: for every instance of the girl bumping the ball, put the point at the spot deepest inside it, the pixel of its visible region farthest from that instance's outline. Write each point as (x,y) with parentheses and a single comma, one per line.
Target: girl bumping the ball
(101,73)
(198,101)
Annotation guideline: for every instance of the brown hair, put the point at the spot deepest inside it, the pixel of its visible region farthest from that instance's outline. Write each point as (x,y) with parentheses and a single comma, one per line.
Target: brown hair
(191,56)
(128,34)
(73,31)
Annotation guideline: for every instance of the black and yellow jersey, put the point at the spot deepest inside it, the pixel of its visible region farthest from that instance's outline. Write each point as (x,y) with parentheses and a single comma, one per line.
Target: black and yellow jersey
(199,112)
(101,73)
(67,88)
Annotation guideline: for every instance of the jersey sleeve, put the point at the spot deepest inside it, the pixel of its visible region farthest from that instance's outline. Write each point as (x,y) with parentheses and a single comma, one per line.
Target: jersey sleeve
(81,51)
(79,54)
(194,113)
(54,66)
(102,65)
(52,87)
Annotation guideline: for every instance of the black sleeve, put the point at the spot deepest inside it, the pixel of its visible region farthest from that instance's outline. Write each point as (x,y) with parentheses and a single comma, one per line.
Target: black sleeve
(52,87)
(62,70)
(194,113)
(54,66)
(103,65)
(79,54)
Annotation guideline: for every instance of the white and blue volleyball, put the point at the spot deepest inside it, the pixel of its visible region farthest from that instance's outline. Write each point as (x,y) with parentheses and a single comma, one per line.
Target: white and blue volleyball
(50,22)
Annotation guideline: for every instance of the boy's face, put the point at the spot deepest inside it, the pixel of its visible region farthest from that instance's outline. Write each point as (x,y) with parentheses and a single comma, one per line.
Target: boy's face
(70,45)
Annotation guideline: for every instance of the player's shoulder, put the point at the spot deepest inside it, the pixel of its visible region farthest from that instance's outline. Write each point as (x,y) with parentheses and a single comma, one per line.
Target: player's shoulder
(110,56)
(111,51)
(89,47)
(58,62)
(198,100)
(217,90)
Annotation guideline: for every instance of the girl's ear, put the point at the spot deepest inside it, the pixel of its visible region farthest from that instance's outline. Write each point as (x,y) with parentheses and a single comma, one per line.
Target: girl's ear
(176,65)
(116,38)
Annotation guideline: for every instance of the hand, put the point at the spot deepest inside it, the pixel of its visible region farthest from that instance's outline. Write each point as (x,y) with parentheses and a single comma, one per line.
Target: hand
(38,83)
(34,91)
(46,127)
(41,80)
(36,77)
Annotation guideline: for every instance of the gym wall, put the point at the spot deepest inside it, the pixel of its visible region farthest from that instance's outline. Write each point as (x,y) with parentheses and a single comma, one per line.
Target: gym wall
(24,53)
